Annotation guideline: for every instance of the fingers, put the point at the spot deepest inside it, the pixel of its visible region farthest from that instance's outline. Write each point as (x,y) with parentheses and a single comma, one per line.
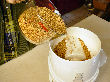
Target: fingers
(11,1)
(14,1)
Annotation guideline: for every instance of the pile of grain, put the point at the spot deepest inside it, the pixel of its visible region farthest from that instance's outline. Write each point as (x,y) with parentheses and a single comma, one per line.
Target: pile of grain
(86,51)
(60,49)
(40,24)
(65,50)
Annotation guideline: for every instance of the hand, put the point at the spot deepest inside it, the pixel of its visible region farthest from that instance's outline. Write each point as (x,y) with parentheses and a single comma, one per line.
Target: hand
(14,1)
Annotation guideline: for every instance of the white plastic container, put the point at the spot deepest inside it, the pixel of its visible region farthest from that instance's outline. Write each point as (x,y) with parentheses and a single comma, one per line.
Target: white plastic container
(61,70)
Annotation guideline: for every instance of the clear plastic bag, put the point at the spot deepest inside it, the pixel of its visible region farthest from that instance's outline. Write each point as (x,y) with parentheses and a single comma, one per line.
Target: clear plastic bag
(43,13)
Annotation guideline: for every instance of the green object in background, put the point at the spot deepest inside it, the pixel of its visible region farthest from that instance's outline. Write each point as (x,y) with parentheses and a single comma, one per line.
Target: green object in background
(10,41)
(1,37)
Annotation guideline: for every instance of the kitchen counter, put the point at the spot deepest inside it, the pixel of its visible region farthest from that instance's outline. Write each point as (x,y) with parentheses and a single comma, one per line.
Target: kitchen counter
(33,65)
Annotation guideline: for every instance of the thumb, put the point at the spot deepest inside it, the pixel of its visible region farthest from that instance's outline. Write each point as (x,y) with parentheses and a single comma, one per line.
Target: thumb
(11,1)
(14,1)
